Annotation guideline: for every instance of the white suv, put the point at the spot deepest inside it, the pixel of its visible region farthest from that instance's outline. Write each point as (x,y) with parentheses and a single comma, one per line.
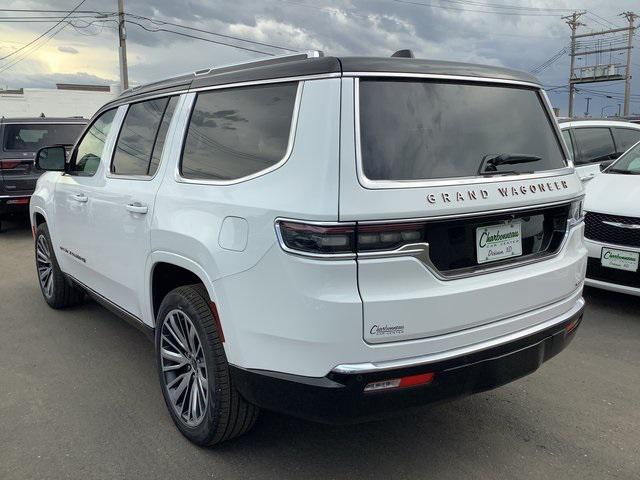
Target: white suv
(334,238)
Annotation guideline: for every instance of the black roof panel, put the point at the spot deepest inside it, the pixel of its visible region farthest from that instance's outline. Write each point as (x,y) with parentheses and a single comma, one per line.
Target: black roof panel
(299,65)
(433,67)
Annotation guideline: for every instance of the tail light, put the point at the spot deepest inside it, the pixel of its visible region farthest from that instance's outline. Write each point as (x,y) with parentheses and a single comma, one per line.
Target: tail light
(346,240)
(9,164)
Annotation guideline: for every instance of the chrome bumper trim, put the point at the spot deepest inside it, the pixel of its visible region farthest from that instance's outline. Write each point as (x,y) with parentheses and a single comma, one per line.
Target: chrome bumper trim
(369,367)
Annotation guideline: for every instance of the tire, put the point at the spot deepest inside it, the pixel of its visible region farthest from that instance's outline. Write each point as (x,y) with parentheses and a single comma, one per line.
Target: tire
(220,413)
(56,289)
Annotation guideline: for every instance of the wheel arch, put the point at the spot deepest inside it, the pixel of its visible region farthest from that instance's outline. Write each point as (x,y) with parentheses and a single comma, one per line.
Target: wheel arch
(166,271)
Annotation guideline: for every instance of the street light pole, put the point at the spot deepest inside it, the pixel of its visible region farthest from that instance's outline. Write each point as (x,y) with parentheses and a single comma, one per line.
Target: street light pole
(588,99)
(122,37)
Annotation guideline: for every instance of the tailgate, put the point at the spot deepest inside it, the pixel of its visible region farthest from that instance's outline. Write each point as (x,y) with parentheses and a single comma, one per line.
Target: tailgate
(428,186)
(18,172)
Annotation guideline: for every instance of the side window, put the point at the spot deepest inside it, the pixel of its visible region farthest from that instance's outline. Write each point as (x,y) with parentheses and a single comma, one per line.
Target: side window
(595,144)
(141,137)
(625,138)
(566,136)
(87,156)
(237,132)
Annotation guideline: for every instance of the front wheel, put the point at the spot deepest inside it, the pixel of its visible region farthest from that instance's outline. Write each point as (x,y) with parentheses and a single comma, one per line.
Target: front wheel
(56,289)
(194,373)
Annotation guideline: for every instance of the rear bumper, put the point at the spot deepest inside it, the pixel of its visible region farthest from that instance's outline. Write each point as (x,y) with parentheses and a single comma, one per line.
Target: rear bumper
(340,397)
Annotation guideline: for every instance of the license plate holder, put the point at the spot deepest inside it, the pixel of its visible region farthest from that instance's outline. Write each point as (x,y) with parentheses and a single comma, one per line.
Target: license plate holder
(498,242)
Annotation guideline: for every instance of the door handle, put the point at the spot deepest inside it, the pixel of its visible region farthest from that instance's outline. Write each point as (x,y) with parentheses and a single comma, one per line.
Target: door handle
(137,208)
(80,197)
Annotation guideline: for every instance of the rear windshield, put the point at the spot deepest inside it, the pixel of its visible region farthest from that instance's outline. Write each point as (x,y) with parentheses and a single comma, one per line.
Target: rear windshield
(415,130)
(30,138)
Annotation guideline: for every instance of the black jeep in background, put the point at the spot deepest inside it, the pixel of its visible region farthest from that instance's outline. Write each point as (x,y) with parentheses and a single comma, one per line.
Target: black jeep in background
(20,139)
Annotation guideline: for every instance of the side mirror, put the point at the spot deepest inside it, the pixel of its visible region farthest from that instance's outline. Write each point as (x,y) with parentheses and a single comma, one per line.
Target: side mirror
(51,159)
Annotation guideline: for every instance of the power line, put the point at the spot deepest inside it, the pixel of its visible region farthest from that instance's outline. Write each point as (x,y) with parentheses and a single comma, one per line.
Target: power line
(495,12)
(39,37)
(164,22)
(198,38)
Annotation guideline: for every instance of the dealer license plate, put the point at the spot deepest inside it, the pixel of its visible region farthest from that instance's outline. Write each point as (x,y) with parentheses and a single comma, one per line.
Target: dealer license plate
(497,242)
(619,259)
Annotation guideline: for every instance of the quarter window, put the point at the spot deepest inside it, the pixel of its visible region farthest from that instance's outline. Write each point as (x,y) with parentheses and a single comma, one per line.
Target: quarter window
(237,132)
(141,138)
(625,138)
(87,156)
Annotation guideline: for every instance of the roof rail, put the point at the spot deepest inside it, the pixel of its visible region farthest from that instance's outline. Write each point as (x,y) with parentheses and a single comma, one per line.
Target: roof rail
(290,57)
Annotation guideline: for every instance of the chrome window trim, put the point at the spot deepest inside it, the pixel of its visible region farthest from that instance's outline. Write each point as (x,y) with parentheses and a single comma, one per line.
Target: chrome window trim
(292,133)
(453,181)
(300,79)
(51,123)
(370,367)
(316,256)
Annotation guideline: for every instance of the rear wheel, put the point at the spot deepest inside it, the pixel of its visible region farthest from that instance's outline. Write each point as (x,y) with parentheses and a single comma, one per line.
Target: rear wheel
(194,373)
(56,289)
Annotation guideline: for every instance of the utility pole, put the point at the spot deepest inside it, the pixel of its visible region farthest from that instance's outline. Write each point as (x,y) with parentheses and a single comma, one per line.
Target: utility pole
(590,45)
(588,99)
(619,105)
(630,16)
(122,37)
(573,22)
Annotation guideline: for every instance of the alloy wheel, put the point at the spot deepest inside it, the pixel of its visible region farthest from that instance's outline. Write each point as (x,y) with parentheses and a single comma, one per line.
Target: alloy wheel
(184,369)
(45,267)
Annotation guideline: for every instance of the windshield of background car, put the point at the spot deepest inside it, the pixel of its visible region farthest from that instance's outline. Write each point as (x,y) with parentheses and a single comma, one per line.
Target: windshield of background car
(628,163)
(425,129)
(32,137)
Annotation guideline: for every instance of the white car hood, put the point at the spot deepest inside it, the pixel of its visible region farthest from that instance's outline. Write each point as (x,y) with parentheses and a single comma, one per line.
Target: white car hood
(615,194)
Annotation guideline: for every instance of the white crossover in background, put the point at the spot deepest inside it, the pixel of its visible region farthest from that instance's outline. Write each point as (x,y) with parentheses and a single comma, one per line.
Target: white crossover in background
(334,238)
(595,144)
(612,234)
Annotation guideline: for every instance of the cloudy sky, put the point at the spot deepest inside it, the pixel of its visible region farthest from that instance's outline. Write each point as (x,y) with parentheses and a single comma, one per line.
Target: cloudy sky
(519,34)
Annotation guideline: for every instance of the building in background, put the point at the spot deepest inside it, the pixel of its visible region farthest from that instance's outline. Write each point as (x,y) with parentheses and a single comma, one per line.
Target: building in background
(66,100)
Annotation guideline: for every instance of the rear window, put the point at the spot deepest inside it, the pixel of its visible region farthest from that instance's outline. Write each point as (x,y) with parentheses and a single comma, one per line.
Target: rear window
(416,130)
(625,138)
(30,138)
(236,132)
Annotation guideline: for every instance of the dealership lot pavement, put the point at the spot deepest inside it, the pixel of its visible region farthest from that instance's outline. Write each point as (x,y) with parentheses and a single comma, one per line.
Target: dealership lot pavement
(79,398)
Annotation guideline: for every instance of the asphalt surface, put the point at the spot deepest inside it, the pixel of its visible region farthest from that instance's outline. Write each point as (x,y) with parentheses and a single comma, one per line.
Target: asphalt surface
(79,398)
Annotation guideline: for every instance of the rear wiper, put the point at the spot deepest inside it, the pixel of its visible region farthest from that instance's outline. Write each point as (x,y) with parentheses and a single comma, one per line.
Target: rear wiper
(490,163)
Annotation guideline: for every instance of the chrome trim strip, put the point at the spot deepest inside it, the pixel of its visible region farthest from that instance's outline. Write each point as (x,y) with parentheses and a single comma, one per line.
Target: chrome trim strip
(292,134)
(15,196)
(316,256)
(301,78)
(420,251)
(441,76)
(628,226)
(456,181)
(370,367)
